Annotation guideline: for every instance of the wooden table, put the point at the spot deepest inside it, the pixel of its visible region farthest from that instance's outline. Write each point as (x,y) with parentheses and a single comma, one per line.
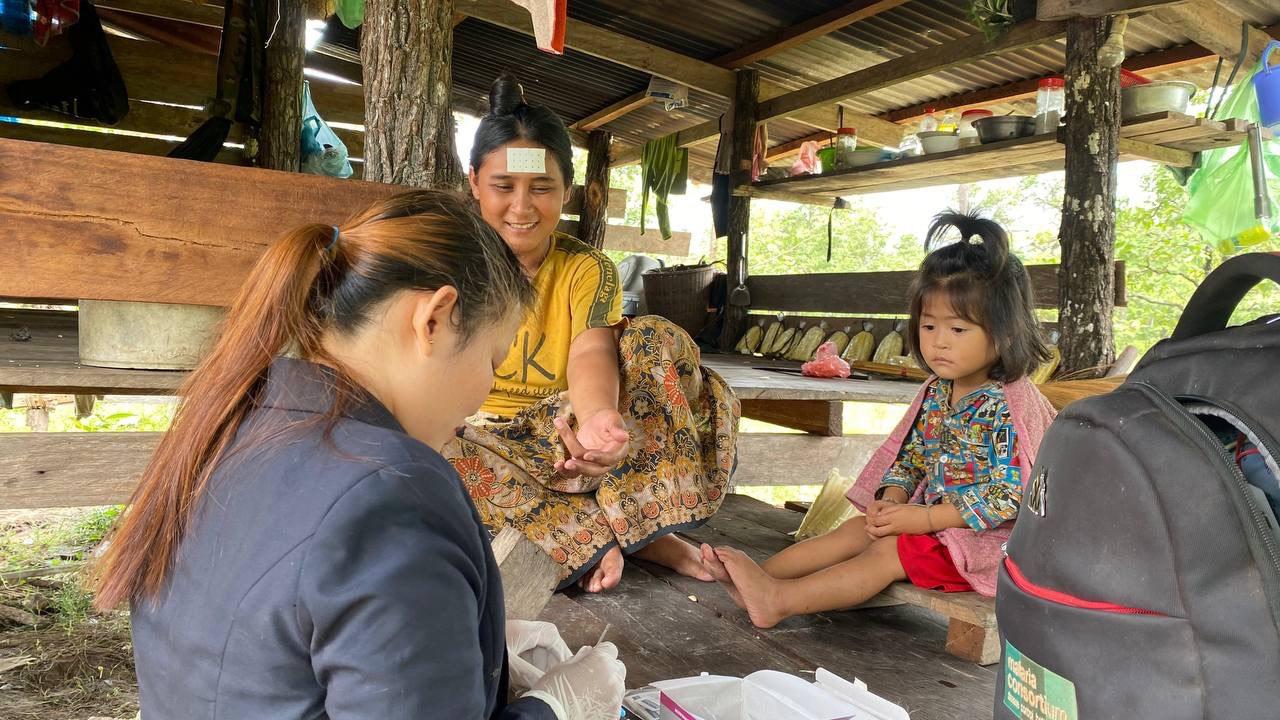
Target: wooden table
(669,626)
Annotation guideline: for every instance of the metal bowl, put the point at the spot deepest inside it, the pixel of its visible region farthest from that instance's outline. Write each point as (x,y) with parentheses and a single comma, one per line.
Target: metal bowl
(1004,127)
(1155,97)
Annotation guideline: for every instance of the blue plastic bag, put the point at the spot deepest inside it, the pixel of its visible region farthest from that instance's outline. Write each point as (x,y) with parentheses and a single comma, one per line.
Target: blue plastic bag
(323,153)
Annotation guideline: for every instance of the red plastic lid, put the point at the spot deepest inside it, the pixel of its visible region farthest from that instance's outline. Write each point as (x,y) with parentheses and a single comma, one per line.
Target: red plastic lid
(846,131)
(1053,82)
(930,110)
(976,113)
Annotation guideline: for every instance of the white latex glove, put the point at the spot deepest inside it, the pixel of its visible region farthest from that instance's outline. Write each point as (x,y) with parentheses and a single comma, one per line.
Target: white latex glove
(533,647)
(587,686)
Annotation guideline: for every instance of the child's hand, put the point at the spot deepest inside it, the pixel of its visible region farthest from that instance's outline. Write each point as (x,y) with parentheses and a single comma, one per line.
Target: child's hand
(899,519)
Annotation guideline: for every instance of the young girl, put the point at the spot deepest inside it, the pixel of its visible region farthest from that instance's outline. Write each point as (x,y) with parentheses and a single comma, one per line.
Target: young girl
(941,494)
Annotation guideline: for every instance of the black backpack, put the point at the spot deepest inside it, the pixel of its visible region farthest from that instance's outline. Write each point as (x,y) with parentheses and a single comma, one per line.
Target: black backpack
(1142,579)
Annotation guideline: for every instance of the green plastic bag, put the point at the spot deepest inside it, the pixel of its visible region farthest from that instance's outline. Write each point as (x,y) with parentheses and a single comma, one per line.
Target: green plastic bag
(350,12)
(1220,193)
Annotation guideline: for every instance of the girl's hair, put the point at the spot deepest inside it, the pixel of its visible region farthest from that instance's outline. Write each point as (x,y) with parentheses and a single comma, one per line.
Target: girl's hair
(315,280)
(986,285)
(511,118)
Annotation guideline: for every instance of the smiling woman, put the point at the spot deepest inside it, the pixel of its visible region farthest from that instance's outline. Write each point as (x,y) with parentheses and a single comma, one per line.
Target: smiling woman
(599,438)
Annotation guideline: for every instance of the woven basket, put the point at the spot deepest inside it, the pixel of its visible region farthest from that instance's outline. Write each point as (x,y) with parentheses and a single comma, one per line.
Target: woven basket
(680,294)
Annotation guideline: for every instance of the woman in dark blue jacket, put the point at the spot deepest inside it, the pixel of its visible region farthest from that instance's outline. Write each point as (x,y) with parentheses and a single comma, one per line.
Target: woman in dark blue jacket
(297,548)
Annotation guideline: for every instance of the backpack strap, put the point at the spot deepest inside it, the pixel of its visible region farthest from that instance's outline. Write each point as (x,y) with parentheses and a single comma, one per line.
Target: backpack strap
(1210,307)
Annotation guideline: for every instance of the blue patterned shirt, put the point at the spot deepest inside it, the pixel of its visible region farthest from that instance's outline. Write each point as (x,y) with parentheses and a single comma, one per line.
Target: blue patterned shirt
(967,454)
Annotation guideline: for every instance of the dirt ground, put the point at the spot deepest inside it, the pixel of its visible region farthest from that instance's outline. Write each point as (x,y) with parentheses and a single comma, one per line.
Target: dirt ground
(72,663)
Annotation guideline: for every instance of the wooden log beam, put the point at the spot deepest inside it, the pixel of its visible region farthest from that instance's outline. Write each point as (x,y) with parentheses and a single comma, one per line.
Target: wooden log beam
(817,417)
(1088,232)
(280,137)
(804,31)
(613,111)
(1047,10)
(203,39)
(592,221)
(1217,28)
(200,11)
(743,135)
(909,67)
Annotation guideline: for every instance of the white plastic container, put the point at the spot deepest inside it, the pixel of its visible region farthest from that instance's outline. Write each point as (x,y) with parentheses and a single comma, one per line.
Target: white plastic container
(1051,104)
(967,132)
(772,695)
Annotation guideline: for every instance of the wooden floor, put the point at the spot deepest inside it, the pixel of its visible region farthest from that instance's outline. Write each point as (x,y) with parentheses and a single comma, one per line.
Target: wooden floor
(668,626)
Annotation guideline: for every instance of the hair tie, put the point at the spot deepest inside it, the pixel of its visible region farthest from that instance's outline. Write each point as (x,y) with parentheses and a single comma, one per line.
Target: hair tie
(334,241)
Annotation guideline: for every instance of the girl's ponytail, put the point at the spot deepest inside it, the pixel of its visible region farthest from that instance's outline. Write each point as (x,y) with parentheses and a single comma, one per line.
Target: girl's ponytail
(994,240)
(270,312)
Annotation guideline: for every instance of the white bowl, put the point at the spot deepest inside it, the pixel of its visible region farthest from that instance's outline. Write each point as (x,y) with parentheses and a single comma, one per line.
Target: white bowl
(938,142)
(866,156)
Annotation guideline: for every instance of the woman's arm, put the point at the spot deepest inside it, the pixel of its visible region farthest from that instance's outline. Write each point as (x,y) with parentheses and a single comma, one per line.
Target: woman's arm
(600,440)
(389,595)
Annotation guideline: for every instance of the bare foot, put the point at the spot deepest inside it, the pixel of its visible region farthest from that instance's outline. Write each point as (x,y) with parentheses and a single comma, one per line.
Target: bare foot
(605,575)
(758,593)
(672,552)
(717,570)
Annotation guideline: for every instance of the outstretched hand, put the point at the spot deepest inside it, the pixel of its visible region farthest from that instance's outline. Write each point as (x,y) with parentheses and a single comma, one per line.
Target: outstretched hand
(600,443)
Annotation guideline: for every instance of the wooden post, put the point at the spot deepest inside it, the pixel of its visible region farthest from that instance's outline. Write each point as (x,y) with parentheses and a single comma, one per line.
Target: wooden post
(595,197)
(406,47)
(1088,234)
(280,144)
(744,127)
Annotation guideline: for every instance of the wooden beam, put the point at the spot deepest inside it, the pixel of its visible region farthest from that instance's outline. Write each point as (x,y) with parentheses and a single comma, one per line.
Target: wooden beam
(909,67)
(204,39)
(802,32)
(790,148)
(1216,28)
(613,111)
(739,211)
(818,417)
(1047,10)
(617,202)
(784,196)
(592,220)
(202,12)
(1130,148)
(192,241)
(529,575)
(792,459)
(628,238)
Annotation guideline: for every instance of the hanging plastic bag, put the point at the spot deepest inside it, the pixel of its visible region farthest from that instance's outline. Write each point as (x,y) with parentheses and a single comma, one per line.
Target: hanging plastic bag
(350,12)
(1220,195)
(322,152)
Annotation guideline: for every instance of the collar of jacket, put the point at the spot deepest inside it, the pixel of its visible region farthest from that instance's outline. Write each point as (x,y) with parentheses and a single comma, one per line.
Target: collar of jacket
(303,386)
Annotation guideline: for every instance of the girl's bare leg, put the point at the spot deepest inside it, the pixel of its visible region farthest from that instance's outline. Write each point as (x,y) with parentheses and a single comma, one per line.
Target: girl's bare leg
(769,600)
(819,553)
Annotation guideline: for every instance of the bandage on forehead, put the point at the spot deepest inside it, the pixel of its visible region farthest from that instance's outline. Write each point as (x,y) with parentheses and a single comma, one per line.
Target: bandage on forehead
(527,160)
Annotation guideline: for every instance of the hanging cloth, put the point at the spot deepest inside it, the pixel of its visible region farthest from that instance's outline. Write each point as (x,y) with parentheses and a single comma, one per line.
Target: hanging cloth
(88,85)
(549,18)
(664,169)
(53,17)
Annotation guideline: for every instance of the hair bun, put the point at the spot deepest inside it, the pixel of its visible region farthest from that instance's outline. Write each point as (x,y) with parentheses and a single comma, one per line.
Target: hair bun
(505,95)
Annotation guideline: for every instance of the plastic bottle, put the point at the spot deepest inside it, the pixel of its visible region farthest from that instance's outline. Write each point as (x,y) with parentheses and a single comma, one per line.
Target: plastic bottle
(948,122)
(968,133)
(929,122)
(1051,99)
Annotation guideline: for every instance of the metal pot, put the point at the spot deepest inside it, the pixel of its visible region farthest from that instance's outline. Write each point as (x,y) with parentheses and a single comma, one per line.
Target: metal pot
(152,336)
(1004,127)
(1155,97)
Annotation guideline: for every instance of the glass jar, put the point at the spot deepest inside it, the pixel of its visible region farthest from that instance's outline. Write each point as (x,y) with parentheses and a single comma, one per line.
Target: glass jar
(846,144)
(1051,103)
(968,133)
(929,122)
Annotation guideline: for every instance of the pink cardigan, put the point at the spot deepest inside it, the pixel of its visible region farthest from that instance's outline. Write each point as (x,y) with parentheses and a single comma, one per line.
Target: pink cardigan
(975,554)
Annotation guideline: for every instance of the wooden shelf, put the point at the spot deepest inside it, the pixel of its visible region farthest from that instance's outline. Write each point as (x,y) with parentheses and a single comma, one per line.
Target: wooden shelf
(49,361)
(1169,138)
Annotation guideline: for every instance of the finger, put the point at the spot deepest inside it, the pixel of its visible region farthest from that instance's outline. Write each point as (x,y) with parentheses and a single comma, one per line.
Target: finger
(609,456)
(878,531)
(590,469)
(568,437)
(564,471)
(608,650)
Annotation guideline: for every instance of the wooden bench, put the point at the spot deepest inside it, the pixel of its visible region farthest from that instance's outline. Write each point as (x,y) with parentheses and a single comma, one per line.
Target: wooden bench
(971,618)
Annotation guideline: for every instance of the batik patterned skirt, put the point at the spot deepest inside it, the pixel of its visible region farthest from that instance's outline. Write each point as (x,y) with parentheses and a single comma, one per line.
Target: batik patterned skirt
(683,422)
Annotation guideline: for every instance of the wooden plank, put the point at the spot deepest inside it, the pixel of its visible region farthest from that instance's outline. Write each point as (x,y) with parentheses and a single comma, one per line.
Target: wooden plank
(628,238)
(909,67)
(613,111)
(617,202)
(754,378)
(771,459)
(800,506)
(1130,148)
(784,196)
(529,575)
(72,469)
(969,607)
(818,417)
(191,243)
(1215,27)
(1065,9)
(817,26)
(974,643)
(200,11)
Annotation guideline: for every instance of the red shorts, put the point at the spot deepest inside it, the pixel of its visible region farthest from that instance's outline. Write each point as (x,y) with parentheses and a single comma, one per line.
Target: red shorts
(928,564)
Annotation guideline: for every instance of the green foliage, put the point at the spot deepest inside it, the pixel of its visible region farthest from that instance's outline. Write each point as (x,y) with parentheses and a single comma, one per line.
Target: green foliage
(106,417)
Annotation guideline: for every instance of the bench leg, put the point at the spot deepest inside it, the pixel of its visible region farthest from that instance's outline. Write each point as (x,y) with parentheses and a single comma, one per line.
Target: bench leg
(974,643)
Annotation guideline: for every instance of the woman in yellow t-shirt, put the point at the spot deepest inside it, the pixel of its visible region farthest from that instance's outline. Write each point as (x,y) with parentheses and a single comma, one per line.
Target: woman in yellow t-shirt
(600,438)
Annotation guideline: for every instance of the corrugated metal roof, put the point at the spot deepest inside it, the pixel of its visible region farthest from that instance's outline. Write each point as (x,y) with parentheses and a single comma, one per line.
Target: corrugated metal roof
(577,85)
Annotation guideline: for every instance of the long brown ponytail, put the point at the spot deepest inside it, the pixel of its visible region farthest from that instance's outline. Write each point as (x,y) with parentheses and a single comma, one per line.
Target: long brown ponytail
(316,279)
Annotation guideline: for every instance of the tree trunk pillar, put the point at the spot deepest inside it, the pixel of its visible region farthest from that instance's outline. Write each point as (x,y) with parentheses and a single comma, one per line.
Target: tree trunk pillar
(1088,233)
(280,141)
(745,98)
(593,218)
(406,47)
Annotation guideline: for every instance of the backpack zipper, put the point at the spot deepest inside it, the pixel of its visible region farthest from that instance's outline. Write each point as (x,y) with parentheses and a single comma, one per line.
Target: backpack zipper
(1062,598)
(1261,529)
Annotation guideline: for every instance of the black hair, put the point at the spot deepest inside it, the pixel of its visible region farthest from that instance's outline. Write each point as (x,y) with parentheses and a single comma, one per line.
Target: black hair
(985,284)
(510,117)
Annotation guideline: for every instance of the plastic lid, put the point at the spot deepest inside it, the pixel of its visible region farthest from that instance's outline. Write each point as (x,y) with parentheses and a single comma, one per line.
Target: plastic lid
(1053,82)
(930,110)
(977,112)
(846,131)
